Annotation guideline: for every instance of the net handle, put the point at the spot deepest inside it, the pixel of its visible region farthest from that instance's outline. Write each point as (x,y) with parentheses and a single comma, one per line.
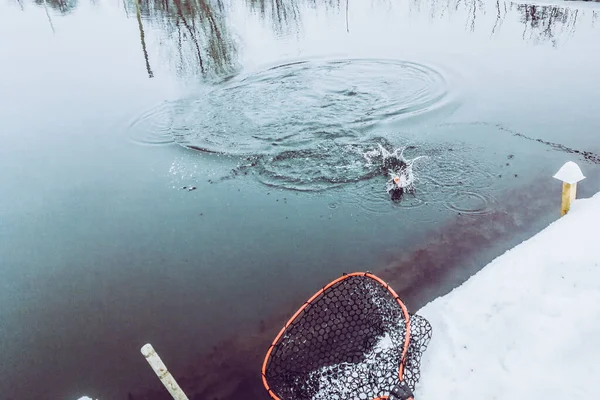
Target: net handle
(309,301)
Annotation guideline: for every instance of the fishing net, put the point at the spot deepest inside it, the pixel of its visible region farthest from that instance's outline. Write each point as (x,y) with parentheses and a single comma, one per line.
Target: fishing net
(354,339)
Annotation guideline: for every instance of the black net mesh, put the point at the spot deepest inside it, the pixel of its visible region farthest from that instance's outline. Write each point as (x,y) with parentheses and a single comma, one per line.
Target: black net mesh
(347,344)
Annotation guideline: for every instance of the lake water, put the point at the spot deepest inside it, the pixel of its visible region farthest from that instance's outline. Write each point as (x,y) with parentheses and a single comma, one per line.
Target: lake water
(187,173)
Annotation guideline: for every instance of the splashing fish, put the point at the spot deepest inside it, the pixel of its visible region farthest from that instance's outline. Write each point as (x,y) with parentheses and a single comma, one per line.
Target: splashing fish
(397,168)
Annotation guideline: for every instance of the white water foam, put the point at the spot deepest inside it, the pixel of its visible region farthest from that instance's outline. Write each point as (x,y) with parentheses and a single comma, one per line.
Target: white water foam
(383,356)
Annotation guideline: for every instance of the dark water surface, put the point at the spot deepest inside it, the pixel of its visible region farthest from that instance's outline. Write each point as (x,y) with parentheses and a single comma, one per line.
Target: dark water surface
(186,173)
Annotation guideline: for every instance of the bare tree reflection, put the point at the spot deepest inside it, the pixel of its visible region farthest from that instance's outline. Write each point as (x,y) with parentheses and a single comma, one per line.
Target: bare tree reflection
(143,38)
(196,34)
(499,18)
(49,17)
(547,23)
(284,16)
(541,23)
(347,9)
(193,32)
(474,8)
(62,6)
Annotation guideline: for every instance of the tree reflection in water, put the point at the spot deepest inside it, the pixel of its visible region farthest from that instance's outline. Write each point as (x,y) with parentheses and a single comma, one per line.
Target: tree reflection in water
(284,16)
(62,6)
(547,23)
(196,34)
(541,23)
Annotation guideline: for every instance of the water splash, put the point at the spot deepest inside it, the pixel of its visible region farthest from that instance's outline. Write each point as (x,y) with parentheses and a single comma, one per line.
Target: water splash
(399,169)
(332,164)
(358,173)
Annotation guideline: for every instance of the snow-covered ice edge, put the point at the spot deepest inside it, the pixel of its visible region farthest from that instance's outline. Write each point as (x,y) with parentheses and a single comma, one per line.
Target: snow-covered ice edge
(527,325)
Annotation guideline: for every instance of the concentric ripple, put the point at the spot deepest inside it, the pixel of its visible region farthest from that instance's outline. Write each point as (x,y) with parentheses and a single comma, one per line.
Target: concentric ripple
(292,106)
(154,126)
(467,202)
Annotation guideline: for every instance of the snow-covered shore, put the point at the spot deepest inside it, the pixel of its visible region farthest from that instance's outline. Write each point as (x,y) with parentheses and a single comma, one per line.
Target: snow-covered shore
(527,326)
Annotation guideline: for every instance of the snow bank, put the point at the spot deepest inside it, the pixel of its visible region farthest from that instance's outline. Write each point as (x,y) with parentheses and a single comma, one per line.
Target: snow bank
(528,325)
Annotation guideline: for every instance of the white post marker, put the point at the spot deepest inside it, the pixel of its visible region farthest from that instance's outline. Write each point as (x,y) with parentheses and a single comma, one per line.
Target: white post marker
(163,374)
(569,174)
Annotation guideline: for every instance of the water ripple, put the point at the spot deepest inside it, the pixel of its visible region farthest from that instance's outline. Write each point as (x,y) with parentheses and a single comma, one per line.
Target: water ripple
(153,127)
(445,179)
(292,106)
(305,126)
(467,202)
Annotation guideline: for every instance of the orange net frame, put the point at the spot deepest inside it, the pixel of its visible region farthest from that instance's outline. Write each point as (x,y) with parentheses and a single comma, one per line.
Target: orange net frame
(353,339)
